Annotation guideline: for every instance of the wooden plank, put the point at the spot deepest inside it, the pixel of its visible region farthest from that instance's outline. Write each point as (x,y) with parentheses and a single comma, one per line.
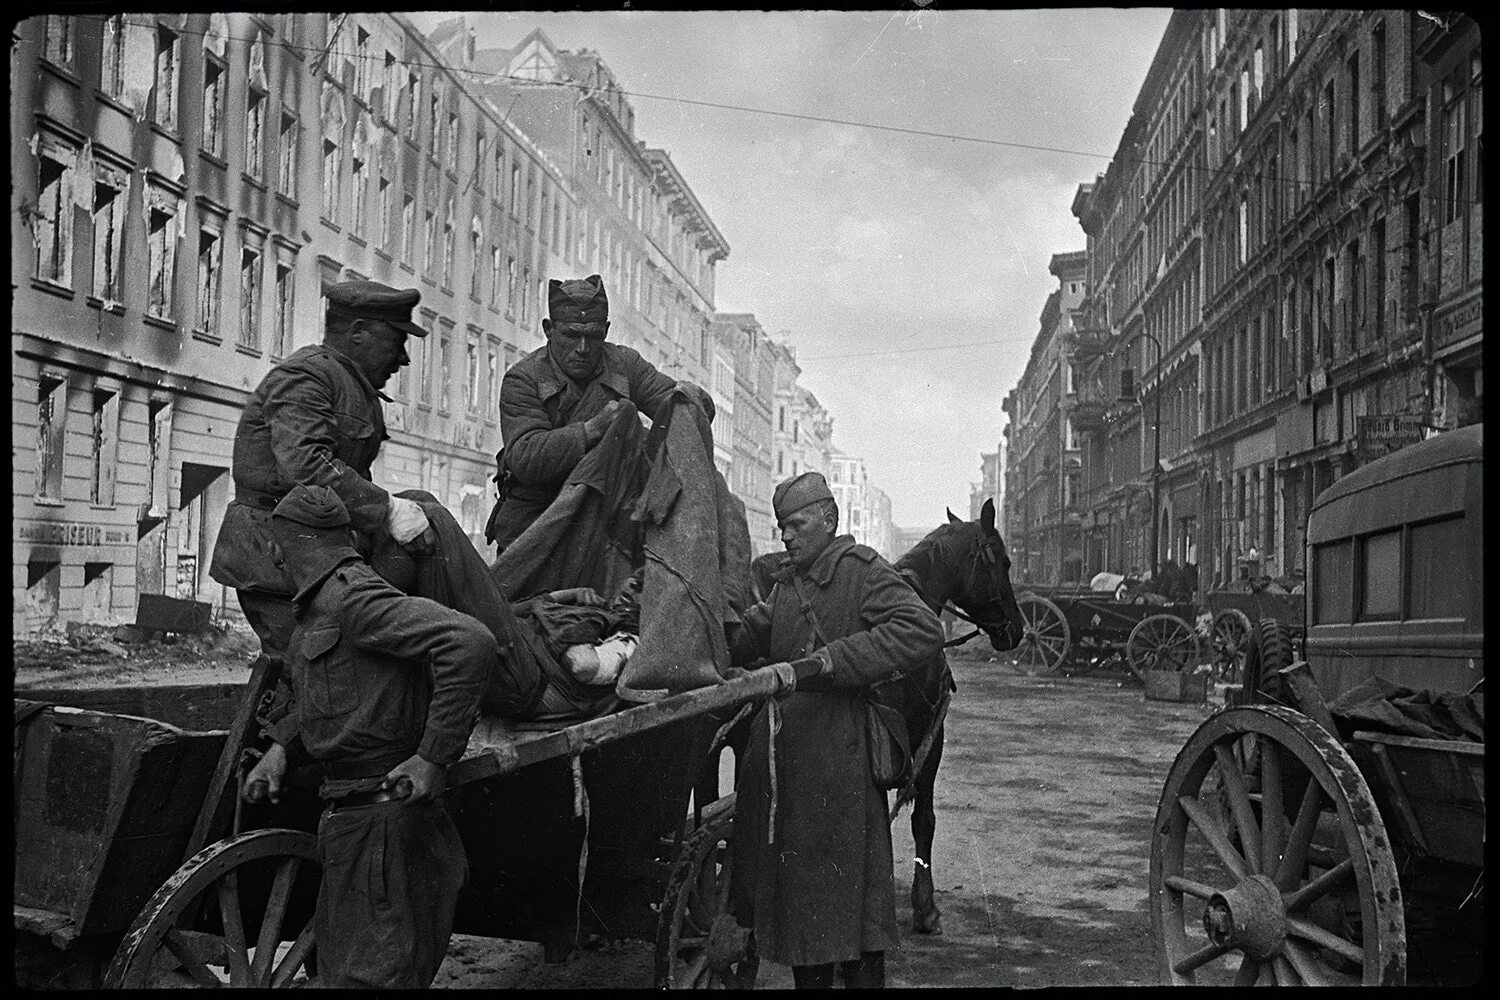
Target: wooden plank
(527,748)
(45,923)
(193,707)
(1462,747)
(217,813)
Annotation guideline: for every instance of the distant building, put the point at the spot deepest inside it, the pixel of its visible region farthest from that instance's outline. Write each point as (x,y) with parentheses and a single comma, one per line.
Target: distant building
(991,486)
(626,212)
(1043,481)
(751,478)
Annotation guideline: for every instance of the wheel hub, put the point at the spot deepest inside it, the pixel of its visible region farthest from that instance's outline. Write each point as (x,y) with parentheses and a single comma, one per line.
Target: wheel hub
(1249,917)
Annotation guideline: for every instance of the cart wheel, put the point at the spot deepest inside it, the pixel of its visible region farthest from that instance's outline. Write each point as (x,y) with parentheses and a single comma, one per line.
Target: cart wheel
(698,943)
(1047,639)
(1269,650)
(1230,638)
(1265,904)
(222,918)
(1161,642)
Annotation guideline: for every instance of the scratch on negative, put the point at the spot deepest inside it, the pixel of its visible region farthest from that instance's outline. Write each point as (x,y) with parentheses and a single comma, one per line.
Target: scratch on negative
(984,889)
(1019,255)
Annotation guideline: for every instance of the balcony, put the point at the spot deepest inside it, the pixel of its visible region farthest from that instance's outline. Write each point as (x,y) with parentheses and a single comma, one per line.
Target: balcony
(1085,345)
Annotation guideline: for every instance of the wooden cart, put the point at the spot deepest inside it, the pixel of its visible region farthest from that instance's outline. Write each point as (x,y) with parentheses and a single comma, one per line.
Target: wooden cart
(1293,842)
(108,805)
(1075,629)
(1235,613)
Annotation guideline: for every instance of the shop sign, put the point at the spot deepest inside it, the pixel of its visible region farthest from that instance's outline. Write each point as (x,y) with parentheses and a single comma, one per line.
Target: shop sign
(71,533)
(1461,322)
(1381,433)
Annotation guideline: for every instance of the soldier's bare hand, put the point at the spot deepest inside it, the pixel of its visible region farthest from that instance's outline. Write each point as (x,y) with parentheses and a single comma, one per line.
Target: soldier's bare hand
(265,778)
(595,426)
(586,597)
(422,779)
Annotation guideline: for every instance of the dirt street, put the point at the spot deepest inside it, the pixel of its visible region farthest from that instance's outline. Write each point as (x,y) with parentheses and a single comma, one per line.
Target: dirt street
(1044,806)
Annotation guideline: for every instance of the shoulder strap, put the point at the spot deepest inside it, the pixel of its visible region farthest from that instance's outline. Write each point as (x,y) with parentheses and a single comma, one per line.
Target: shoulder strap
(805,606)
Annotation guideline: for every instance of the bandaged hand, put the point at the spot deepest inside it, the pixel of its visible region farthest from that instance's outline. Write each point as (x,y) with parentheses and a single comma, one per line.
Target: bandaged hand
(699,395)
(405,520)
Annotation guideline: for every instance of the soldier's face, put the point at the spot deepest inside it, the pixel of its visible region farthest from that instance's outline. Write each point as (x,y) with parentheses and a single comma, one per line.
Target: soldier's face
(805,534)
(380,352)
(576,348)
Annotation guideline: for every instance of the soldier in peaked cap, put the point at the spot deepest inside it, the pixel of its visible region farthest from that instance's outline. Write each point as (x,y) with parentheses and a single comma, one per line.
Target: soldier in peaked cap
(390,687)
(557,402)
(812,877)
(315,419)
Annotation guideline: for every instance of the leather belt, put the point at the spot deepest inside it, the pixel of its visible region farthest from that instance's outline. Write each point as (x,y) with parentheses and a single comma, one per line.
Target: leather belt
(356,799)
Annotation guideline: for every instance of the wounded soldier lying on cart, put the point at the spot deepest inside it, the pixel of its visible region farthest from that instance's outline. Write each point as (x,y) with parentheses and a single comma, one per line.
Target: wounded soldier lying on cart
(639,555)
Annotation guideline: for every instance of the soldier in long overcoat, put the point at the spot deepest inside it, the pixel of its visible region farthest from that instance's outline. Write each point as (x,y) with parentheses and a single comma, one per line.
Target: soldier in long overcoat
(812,853)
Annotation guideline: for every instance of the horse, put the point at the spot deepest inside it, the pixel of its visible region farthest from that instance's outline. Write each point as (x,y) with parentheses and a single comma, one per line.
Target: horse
(960,567)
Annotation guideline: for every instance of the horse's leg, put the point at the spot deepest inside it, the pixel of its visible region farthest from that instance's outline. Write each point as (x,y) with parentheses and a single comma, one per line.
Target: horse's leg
(925,916)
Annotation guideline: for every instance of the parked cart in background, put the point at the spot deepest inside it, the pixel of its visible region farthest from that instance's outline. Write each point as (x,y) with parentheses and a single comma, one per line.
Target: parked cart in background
(1236,611)
(1329,828)
(1073,629)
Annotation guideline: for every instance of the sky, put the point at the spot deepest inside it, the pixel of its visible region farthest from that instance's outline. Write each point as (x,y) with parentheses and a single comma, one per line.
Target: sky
(874,252)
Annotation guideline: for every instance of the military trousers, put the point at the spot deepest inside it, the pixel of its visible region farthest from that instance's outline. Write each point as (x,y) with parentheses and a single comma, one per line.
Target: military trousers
(392,873)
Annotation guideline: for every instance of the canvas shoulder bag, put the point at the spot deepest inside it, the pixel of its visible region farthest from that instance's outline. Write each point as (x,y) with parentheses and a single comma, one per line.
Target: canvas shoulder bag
(888,746)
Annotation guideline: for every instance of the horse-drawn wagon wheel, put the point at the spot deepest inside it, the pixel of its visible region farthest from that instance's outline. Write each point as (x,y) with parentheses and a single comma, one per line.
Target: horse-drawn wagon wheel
(1161,642)
(1230,638)
(222,918)
(1303,891)
(1047,639)
(698,943)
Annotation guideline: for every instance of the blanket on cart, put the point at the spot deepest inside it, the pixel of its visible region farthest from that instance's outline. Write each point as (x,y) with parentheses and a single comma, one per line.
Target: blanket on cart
(1381,706)
(649,505)
(647,522)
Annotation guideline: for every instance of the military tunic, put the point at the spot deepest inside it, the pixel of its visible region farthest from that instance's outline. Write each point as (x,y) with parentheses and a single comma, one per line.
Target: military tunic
(382,676)
(542,412)
(822,890)
(315,420)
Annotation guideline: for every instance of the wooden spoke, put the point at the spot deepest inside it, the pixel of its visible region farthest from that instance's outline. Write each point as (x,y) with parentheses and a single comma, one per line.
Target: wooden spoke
(238,959)
(1327,939)
(1295,859)
(1285,974)
(1239,806)
(184,953)
(1272,815)
(1249,972)
(696,969)
(296,957)
(1305,964)
(1190,887)
(1334,877)
(270,927)
(1214,836)
(1200,957)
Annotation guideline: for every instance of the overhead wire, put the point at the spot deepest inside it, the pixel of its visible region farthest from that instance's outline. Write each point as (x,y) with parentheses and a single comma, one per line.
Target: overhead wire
(589,90)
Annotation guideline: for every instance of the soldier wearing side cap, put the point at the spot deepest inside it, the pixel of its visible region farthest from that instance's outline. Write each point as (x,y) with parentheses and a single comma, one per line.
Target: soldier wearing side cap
(389,688)
(557,402)
(813,872)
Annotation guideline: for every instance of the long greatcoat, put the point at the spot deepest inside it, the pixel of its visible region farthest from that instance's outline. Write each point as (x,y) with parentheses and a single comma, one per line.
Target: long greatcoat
(822,890)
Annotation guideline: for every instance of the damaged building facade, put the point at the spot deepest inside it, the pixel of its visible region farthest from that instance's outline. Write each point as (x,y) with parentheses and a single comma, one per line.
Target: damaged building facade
(184,184)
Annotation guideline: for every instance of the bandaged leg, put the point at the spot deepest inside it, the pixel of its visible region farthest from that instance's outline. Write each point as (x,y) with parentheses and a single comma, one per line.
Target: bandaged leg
(600,664)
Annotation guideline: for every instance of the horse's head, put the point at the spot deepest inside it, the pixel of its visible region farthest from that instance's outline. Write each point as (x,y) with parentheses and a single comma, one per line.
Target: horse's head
(965,562)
